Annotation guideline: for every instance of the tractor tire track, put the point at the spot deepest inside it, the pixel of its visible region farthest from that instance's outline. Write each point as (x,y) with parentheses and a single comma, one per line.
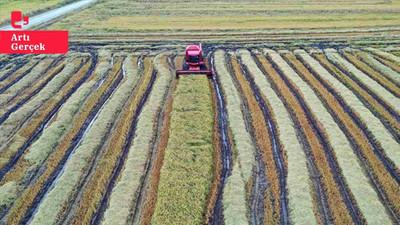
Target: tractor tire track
(333,164)
(14,159)
(225,146)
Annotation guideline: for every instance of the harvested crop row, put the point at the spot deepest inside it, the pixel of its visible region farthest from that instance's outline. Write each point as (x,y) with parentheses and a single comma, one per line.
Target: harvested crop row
(19,74)
(99,182)
(188,154)
(359,188)
(385,55)
(385,94)
(35,74)
(383,81)
(143,142)
(337,205)
(63,149)
(392,65)
(62,81)
(369,99)
(234,198)
(300,202)
(13,102)
(262,134)
(51,136)
(362,145)
(52,206)
(378,66)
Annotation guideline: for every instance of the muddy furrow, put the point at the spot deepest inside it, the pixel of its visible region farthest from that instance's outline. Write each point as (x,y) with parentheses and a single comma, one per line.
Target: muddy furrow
(277,153)
(377,150)
(14,159)
(50,183)
(97,217)
(319,191)
(338,176)
(225,145)
(27,98)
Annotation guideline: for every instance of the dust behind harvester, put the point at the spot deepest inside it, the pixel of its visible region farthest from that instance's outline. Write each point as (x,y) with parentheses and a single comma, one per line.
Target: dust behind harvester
(194,62)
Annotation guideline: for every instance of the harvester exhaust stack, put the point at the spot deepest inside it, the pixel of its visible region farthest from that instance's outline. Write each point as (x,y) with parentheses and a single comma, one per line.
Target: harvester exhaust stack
(194,62)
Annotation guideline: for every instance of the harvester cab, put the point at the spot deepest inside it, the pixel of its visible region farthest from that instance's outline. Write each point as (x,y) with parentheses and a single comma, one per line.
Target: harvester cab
(194,62)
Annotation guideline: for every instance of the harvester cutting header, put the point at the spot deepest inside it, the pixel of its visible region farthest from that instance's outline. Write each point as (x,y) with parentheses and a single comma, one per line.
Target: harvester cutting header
(194,62)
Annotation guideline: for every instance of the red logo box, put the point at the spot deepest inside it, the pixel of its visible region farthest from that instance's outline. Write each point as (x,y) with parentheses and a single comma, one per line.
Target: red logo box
(33,42)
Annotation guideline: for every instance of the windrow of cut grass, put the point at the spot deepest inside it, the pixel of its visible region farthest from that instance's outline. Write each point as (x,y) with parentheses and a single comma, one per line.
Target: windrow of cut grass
(299,190)
(362,146)
(392,65)
(272,210)
(383,54)
(63,147)
(360,198)
(379,67)
(51,136)
(26,81)
(19,74)
(40,106)
(382,80)
(53,205)
(99,182)
(370,83)
(188,154)
(14,101)
(361,97)
(335,201)
(146,134)
(234,198)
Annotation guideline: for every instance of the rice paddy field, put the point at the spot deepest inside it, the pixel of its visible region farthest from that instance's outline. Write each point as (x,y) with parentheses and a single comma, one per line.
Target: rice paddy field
(299,125)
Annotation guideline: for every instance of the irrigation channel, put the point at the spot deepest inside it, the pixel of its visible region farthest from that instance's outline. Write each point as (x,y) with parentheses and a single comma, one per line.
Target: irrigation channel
(278,157)
(98,216)
(338,177)
(14,159)
(225,145)
(50,183)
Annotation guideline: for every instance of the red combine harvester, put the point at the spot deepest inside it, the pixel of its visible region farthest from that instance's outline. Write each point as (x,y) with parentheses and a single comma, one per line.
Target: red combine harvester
(194,62)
